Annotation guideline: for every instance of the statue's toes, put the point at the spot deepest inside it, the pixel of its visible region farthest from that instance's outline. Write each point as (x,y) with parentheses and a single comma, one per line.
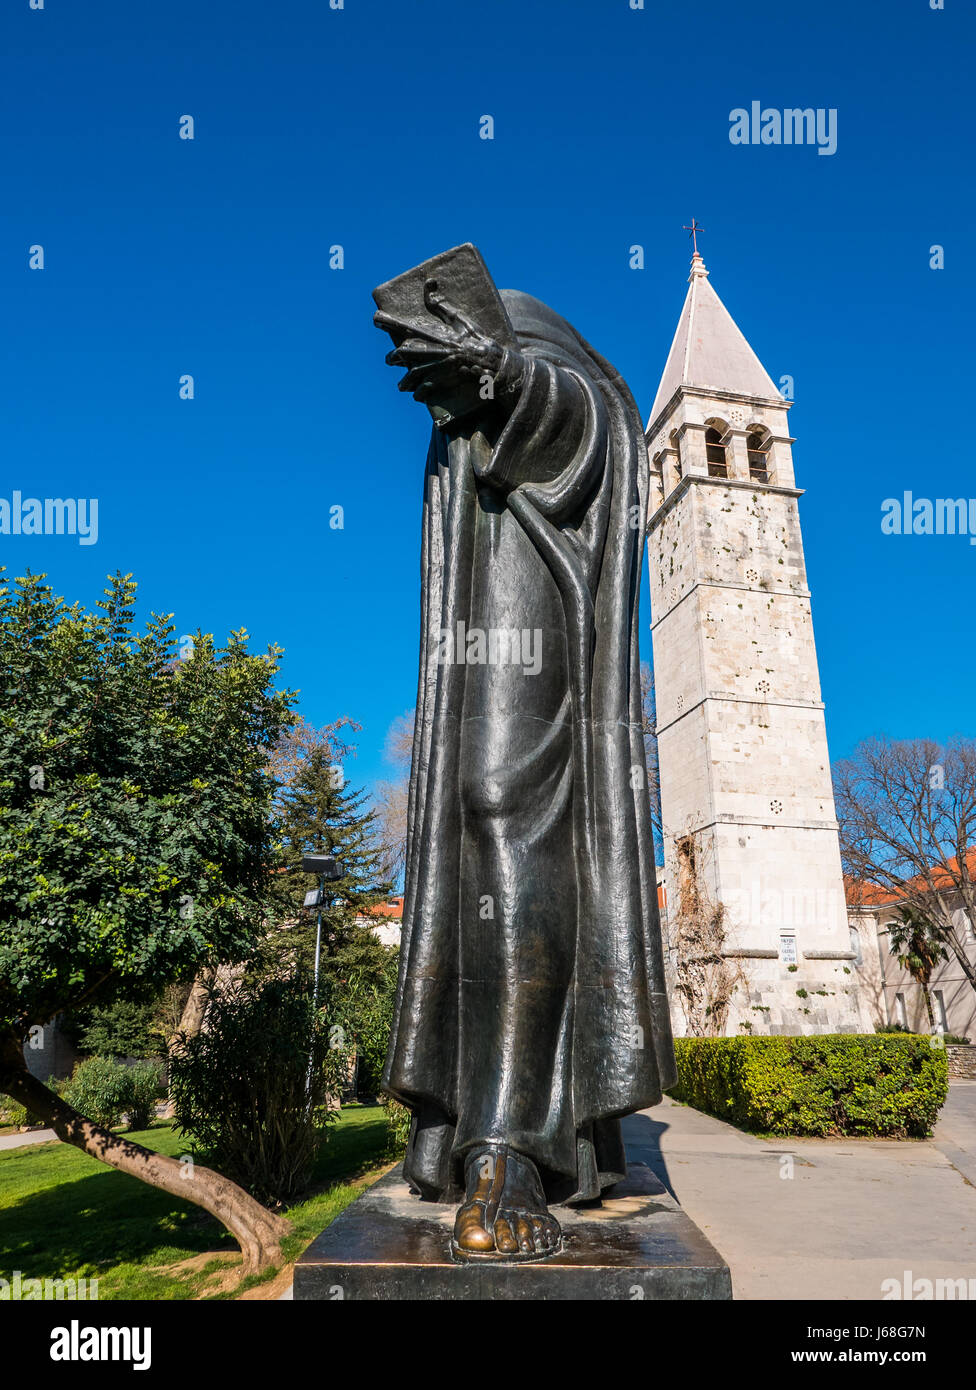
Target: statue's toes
(470,1233)
(505,1242)
(540,1239)
(523,1233)
(552,1231)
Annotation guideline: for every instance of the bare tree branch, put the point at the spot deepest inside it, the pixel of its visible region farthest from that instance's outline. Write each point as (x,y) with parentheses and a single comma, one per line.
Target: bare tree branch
(392,798)
(906,814)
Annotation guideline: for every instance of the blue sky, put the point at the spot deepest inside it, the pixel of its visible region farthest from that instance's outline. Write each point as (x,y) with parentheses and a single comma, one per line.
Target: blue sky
(360,127)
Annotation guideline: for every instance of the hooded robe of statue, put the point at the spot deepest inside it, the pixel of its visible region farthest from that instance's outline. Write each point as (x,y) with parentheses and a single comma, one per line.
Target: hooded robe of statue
(531,1007)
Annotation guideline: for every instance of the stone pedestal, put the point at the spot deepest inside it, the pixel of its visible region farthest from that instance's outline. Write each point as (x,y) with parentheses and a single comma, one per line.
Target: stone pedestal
(636,1244)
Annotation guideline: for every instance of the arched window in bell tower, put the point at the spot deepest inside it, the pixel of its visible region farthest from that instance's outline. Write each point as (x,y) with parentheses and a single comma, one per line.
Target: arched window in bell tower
(757,446)
(718,466)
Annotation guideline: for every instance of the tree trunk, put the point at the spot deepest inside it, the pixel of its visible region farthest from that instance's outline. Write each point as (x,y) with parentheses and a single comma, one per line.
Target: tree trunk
(191,1019)
(195,1008)
(928,1005)
(258,1231)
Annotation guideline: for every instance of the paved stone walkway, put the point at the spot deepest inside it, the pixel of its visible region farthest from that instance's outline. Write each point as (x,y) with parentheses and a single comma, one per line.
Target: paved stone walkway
(31,1136)
(44,1136)
(812,1218)
(955,1133)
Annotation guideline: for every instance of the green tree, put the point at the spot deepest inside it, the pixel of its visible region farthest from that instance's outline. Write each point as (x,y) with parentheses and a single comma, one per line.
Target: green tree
(136,840)
(252,1087)
(319,813)
(358,990)
(128,1027)
(124,1028)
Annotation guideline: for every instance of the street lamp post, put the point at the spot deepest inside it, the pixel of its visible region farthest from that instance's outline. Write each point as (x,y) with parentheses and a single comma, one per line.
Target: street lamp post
(328,870)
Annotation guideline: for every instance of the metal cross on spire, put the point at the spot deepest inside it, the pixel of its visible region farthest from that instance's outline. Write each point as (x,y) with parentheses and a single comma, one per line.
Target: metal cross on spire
(693,231)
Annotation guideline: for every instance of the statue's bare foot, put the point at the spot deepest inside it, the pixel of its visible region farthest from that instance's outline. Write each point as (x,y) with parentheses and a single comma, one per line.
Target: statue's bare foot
(504,1215)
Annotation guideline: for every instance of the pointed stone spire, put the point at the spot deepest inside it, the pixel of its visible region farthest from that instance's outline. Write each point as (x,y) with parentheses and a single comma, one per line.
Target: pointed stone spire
(709,350)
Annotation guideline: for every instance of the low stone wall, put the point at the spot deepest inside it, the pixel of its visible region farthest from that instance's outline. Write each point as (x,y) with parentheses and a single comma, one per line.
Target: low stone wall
(961,1061)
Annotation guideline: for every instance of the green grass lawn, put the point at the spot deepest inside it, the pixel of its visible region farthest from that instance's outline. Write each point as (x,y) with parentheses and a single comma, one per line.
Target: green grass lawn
(65,1215)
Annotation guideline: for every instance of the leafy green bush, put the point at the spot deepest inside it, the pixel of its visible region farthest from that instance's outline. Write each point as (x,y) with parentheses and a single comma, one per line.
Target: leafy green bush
(107,1091)
(122,1028)
(359,986)
(13,1113)
(398,1119)
(892,1028)
(955,1038)
(825,1084)
(101,1089)
(145,1086)
(240,1087)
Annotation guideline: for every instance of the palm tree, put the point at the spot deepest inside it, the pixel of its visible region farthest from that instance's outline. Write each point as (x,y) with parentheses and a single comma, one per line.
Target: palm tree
(916,943)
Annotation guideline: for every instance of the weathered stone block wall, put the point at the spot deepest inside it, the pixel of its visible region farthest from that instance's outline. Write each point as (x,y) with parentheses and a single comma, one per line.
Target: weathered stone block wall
(961,1062)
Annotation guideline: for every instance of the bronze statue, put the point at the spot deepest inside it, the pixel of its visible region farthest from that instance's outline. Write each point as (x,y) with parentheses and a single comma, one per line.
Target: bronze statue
(531,1013)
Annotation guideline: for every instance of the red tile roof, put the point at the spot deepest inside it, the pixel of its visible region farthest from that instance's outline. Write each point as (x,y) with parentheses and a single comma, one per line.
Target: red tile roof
(876,895)
(393,908)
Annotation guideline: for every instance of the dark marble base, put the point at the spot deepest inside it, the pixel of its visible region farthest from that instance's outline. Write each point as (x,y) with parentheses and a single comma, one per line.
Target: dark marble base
(636,1244)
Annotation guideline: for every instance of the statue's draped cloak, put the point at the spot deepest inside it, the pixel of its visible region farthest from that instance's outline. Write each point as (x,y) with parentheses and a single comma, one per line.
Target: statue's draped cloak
(531,1007)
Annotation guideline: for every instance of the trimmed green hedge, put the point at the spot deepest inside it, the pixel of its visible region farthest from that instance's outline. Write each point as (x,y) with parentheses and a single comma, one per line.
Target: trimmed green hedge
(881,1084)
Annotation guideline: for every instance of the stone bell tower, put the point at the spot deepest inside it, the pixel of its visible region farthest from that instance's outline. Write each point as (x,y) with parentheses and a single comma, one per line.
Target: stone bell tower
(758,937)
